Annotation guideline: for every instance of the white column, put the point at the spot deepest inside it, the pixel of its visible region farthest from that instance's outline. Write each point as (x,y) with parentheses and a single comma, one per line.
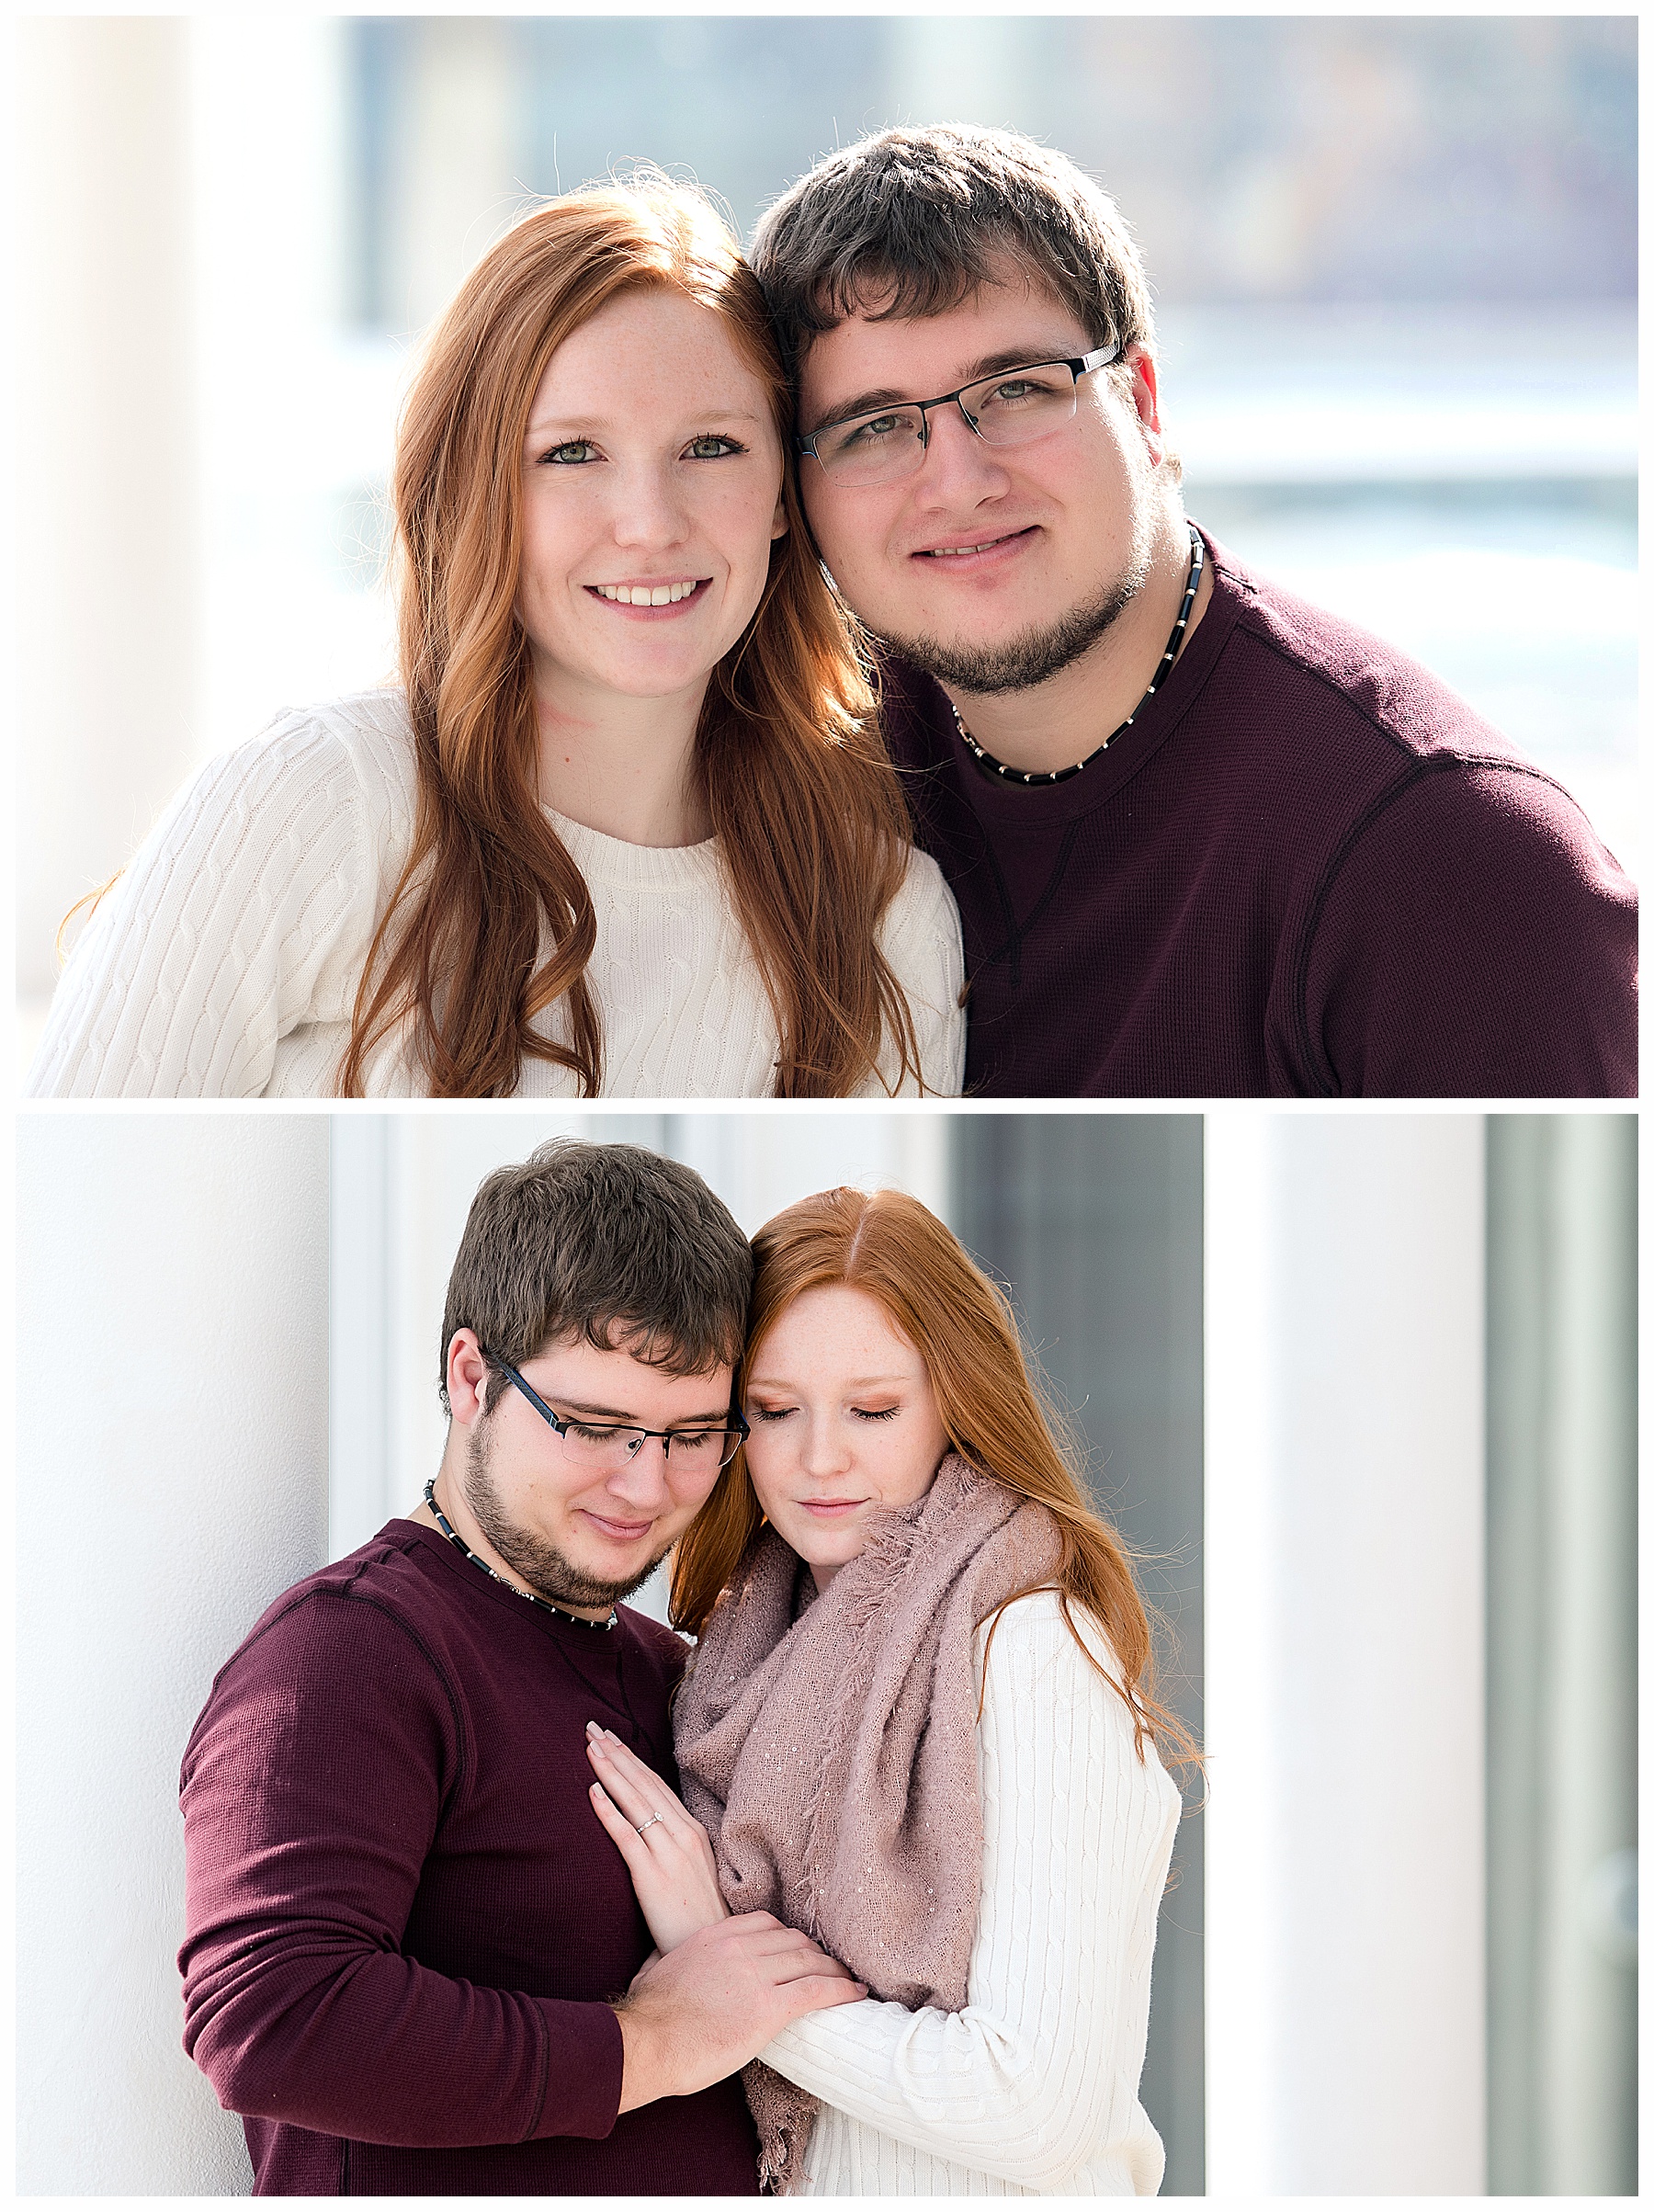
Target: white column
(1344,1654)
(108,569)
(172,1468)
(1587,2027)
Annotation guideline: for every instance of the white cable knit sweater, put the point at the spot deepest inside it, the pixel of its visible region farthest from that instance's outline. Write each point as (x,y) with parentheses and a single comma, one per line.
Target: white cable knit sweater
(1031,2091)
(224,962)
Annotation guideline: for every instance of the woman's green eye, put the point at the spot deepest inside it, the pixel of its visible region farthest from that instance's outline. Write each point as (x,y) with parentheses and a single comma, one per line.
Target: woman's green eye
(712,448)
(577,451)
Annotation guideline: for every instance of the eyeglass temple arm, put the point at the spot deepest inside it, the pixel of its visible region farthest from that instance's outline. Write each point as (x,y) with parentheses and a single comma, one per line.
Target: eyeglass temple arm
(736,1419)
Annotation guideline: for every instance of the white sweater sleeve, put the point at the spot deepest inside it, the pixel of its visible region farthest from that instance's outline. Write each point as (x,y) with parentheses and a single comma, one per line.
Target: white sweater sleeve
(247,913)
(1038,2074)
(921,939)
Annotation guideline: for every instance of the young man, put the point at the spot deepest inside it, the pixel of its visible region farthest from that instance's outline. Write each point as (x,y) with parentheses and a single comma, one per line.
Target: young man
(414,1960)
(1205,839)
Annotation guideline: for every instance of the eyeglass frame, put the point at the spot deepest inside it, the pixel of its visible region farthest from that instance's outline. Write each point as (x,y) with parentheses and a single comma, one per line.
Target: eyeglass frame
(734,1423)
(1079,364)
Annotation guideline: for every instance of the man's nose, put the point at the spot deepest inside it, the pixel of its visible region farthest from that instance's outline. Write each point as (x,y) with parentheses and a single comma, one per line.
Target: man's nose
(958,463)
(645,1476)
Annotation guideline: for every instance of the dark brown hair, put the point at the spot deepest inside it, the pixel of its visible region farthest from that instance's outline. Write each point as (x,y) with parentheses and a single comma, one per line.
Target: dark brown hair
(962,1327)
(491,923)
(913,222)
(607,1242)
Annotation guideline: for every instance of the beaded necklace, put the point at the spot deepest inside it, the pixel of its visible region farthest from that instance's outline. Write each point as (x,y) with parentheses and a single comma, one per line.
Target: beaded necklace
(985,759)
(454,1539)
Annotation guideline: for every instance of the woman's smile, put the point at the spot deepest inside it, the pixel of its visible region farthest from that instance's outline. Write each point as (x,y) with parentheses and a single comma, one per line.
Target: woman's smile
(650,598)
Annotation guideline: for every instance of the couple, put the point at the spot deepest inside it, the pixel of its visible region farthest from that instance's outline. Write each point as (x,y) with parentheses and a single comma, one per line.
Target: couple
(719,585)
(490,1894)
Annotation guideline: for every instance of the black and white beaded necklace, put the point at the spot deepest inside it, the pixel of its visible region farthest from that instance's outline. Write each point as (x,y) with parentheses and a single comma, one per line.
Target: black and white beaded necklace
(985,759)
(544,1604)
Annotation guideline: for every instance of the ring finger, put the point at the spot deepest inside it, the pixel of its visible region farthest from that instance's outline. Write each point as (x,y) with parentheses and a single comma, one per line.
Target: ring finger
(628,1780)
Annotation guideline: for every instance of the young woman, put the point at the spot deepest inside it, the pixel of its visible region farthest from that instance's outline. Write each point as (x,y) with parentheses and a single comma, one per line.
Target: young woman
(627,827)
(920,1725)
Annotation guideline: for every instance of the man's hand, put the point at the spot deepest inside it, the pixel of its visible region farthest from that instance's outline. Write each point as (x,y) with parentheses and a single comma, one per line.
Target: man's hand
(703,2011)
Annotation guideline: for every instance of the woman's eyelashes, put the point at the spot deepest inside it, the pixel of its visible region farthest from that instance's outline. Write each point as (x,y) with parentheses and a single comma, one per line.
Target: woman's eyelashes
(767,1413)
(580,452)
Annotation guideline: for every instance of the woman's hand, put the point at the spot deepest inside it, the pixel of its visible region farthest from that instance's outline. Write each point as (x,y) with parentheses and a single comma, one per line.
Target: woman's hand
(667,1853)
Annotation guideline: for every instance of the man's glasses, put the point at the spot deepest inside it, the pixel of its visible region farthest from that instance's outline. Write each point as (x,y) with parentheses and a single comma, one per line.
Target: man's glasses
(1012,408)
(605,1448)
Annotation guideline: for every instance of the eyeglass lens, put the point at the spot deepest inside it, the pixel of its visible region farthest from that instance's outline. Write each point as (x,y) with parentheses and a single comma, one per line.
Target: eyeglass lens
(1004,410)
(612,1449)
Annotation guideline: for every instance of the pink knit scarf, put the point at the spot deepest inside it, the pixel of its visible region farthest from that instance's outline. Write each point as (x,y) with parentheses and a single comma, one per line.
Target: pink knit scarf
(832,1758)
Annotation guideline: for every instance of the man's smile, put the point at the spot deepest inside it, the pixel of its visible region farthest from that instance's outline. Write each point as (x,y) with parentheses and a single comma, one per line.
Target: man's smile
(984,545)
(622,1532)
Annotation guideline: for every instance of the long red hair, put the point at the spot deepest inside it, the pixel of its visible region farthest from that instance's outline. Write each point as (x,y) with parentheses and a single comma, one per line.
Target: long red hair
(960,1323)
(812,826)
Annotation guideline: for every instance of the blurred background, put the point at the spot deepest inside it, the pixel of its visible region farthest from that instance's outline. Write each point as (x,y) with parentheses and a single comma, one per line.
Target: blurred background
(1360,1387)
(1394,256)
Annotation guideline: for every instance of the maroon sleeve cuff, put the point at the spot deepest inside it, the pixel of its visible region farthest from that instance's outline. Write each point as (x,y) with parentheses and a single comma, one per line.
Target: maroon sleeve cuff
(585,2059)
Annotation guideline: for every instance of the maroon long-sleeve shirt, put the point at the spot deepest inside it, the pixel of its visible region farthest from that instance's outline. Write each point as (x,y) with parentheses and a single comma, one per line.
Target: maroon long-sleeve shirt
(1307,870)
(404,1919)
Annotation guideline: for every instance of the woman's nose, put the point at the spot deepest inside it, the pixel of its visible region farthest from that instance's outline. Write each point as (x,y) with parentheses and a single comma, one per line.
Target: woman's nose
(650,509)
(825,1447)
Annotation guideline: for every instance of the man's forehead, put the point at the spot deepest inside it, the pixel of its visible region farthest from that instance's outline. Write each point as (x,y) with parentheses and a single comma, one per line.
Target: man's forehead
(621,1343)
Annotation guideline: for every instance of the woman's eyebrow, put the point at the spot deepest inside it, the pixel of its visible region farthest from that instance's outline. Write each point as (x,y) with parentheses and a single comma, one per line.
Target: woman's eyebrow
(853,1382)
(583,421)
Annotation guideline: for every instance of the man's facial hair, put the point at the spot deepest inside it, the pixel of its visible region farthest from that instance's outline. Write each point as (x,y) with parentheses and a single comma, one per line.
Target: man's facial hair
(989,671)
(539,1563)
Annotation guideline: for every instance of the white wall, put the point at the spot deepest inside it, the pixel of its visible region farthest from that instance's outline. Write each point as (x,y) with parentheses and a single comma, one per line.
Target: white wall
(172,1458)
(1344,1654)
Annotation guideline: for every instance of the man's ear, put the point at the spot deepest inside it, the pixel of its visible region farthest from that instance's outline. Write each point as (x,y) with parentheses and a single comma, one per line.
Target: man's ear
(467,1378)
(1144,398)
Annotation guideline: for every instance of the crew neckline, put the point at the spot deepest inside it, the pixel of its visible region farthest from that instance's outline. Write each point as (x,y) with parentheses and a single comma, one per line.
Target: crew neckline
(468,1576)
(615,860)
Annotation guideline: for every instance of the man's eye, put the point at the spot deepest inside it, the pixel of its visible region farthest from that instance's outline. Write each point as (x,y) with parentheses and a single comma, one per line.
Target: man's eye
(874,430)
(690,1444)
(573,455)
(588,1435)
(1014,392)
